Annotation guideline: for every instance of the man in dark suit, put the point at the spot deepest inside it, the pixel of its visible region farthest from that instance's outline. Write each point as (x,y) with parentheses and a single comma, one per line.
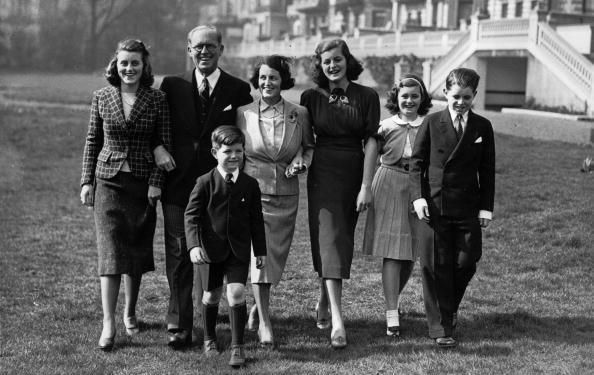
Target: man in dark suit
(199,101)
(453,187)
(223,221)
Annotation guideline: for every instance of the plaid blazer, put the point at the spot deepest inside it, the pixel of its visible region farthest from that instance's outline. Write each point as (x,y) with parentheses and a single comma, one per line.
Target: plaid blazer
(111,139)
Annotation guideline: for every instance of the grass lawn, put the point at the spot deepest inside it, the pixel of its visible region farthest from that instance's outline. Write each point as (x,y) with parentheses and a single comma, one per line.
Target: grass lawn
(527,311)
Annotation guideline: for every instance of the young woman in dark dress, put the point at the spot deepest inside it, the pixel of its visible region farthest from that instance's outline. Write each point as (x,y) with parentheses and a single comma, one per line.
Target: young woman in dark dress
(345,116)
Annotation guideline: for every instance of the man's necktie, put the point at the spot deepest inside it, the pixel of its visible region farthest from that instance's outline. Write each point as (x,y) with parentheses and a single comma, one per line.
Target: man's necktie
(204,90)
(229,178)
(458,126)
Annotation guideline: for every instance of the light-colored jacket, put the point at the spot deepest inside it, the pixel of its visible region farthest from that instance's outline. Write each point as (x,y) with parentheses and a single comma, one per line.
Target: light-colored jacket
(266,165)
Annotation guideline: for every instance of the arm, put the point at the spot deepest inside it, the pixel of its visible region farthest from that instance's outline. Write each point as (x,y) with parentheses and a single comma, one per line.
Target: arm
(364,196)
(193,218)
(371,125)
(93,145)
(418,167)
(257,222)
(486,176)
(163,158)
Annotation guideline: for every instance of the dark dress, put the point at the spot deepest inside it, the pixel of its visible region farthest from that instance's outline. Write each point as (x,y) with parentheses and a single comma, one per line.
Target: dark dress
(335,175)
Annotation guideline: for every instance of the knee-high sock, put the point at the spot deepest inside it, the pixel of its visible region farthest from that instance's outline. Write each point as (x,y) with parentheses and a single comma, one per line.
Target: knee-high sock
(209,320)
(237,318)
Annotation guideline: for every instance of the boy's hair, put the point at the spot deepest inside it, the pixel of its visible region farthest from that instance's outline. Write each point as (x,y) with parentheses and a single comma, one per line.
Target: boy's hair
(227,135)
(463,77)
(408,80)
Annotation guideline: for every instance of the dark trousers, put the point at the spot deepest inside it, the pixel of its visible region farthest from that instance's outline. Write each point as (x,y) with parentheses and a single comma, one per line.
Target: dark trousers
(426,250)
(179,270)
(458,247)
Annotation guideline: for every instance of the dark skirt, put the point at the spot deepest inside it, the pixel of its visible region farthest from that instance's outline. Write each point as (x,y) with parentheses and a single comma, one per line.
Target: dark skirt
(333,182)
(125,224)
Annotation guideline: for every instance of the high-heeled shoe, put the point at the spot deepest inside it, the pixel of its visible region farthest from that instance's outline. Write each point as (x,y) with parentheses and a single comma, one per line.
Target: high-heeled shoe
(266,344)
(131,324)
(106,343)
(322,322)
(338,339)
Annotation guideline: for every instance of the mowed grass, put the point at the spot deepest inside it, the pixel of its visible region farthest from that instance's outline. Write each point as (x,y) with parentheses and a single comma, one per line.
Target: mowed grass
(528,310)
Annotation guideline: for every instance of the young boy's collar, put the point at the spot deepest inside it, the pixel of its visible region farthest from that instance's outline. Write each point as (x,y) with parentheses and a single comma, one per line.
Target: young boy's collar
(235,173)
(454,114)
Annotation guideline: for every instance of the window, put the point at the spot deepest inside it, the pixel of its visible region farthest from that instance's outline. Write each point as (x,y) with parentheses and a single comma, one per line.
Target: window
(518,12)
(504,10)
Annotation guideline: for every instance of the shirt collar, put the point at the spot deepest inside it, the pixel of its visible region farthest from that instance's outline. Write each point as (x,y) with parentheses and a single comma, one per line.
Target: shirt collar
(417,122)
(213,78)
(454,114)
(235,173)
(278,106)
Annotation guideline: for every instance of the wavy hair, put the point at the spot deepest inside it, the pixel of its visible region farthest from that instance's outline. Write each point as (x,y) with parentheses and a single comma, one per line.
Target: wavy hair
(281,64)
(408,80)
(354,67)
(130,45)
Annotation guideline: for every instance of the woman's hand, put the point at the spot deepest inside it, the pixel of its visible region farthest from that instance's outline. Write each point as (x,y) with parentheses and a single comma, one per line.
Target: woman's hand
(153,195)
(163,159)
(297,166)
(364,198)
(87,195)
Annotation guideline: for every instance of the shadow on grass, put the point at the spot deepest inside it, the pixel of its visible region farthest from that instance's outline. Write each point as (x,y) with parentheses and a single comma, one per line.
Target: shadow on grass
(491,335)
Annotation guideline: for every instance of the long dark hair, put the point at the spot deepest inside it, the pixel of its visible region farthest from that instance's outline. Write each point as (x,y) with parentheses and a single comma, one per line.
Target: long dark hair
(130,45)
(354,67)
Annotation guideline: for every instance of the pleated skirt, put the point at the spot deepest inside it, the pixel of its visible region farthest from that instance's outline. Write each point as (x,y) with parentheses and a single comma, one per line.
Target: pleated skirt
(125,225)
(280,214)
(388,232)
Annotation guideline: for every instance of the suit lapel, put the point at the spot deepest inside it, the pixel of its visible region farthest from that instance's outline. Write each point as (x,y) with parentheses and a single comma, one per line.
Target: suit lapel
(448,133)
(142,100)
(290,123)
(215,102)
(467,136)
(115,99)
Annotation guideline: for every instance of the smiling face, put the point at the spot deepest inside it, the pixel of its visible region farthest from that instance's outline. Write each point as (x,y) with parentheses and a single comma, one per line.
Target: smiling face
(459,98)
(229,157)
(269,83)
(409,100)
(204,49)
(334,65)
(129,67)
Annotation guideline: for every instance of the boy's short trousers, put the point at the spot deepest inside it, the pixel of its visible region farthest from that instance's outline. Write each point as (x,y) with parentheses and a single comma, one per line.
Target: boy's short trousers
(232,268)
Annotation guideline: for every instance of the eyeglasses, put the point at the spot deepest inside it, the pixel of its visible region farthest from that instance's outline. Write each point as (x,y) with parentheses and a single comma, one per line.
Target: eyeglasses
(209,47)
(333,98)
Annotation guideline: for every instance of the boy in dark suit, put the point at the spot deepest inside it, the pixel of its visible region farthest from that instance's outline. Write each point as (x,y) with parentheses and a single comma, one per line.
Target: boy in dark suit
(453,187)
(223,220)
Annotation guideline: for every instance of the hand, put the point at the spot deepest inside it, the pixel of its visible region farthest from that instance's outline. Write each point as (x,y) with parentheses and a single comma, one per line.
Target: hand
(260,262)
(86,195)
(484,222)
(422,209)
(198,256)
(297,166)
(364,198)
(163,159)
(153,195)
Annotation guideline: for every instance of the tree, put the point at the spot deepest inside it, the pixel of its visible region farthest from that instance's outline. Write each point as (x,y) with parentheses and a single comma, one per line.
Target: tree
(102,14)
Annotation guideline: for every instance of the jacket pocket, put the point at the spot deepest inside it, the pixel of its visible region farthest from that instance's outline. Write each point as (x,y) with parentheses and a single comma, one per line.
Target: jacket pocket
(104,156)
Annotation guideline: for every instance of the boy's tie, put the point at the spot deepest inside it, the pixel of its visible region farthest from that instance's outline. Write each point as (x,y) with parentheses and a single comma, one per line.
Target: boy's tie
(229,178)
(458,126)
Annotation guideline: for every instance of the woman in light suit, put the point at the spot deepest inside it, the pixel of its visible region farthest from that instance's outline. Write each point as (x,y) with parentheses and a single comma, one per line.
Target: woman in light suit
(279,145)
